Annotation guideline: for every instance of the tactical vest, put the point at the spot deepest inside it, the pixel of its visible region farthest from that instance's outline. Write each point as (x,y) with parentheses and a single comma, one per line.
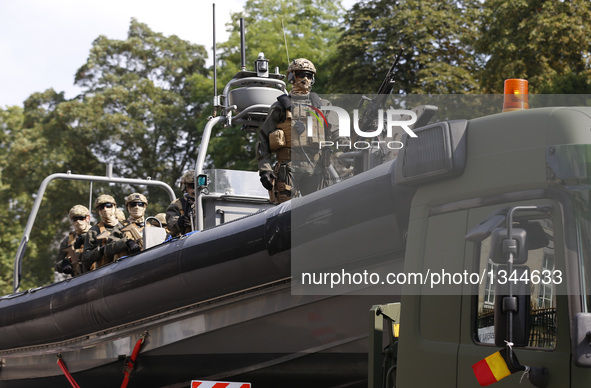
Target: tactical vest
(76,264)
(104,259)
(293,132)
(133,231)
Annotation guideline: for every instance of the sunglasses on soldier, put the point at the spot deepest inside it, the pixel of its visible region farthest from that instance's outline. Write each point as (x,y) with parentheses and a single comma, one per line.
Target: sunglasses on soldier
(304,74)
(104,205)
(78,218)
(136,204)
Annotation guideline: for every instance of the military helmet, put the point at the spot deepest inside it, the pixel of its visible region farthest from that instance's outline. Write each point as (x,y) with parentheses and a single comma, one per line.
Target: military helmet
(160,217)
(299,64)
(78,210)
(104,198)
(188,177)
(135,197)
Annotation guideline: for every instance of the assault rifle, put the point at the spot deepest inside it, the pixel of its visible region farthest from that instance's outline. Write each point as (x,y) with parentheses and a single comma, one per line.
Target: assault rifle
(73,258)
(72,254)
(191,203)
(364,160)
(371,112)
(135,234)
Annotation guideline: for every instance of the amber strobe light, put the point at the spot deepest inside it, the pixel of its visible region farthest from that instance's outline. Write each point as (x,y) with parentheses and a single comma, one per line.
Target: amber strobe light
(515,95)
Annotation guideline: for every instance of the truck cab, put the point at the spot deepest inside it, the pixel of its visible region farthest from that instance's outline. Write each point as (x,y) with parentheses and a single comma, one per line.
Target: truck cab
(535,161)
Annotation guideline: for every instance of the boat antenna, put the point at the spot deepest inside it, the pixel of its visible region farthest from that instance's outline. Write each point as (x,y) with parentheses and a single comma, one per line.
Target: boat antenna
(216,103)
(285,40)
(242,46)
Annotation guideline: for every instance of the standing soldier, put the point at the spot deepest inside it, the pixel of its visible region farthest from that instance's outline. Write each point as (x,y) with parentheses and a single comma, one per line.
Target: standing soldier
(301,166)
(136,205)
(180,213)
(69,258)
(105,242)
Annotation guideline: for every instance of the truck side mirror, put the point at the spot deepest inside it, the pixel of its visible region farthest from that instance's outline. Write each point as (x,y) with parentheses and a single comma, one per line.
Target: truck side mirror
(501,246)
(512,288)
(515,301)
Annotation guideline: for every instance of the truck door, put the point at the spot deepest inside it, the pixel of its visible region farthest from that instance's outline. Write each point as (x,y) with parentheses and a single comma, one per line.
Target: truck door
(430,317)
(548,343)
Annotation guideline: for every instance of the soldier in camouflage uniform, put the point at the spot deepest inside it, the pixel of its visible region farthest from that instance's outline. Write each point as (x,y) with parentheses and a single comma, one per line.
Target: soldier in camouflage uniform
(136,205)
(69,258)
(105,242)
(180,213)
(301,166)
(162,224)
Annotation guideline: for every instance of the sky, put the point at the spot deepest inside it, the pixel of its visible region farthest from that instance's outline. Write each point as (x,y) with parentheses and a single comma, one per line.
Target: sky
(43,43)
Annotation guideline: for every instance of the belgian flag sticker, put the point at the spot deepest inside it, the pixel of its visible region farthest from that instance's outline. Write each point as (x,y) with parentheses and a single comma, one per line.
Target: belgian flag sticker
(494,367)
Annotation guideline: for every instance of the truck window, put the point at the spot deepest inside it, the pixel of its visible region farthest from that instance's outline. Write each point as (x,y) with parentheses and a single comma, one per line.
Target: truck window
(542,309)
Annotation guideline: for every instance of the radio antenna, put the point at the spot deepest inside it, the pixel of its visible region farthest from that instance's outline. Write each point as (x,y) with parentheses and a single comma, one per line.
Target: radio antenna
(285,40)
(242,46)
(215,73)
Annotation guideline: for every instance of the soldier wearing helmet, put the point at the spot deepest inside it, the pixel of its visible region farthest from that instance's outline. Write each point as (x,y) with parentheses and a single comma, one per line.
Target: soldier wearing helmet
(301,166)
(180,214)
(160,222)
(69,258)
(105,242)
(136,205)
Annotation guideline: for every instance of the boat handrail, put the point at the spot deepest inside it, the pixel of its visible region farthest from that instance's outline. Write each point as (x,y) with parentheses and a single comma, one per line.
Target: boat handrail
(69,176)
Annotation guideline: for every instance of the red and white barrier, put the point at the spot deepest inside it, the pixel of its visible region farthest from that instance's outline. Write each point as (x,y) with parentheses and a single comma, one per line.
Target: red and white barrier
(217,384)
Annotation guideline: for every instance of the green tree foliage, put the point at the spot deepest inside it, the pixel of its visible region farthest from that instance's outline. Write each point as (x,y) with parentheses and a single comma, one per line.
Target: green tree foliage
(41,143)
(142,109)
(311,30)
(547,42)
(569,83)
(11,119)
(143,102)
(436,36)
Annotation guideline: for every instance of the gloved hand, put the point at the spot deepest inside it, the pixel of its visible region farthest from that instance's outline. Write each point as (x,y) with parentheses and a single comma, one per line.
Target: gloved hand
(66,267)
(267,178)
(132,246)
(285,101)
(114,247)
(79,242)
(184,222)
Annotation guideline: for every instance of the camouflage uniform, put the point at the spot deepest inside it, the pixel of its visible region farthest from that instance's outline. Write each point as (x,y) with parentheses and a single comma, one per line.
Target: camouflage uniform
(134,225)
(180,212)
(105,242)
(301,166)
(71,248)
(162,218)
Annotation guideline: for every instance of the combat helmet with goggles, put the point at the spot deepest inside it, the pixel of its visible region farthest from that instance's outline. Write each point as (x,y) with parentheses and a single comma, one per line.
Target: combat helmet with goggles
(301,67)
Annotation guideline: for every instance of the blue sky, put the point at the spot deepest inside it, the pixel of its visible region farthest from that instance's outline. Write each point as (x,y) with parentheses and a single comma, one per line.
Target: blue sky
(43,43)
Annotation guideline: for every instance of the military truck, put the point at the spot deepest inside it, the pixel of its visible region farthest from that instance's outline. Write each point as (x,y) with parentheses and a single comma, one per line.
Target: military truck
(498,238)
